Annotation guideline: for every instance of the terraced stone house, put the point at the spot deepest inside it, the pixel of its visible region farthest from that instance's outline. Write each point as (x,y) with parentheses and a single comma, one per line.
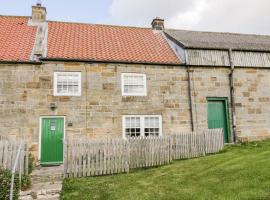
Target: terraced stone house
(61,79)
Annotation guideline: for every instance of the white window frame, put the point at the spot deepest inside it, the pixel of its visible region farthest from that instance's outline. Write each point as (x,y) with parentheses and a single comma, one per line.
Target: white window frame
(144,93)
(67,94)
(142,124)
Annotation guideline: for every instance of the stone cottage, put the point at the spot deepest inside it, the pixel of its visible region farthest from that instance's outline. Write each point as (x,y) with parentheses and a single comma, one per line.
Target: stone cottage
(61,79)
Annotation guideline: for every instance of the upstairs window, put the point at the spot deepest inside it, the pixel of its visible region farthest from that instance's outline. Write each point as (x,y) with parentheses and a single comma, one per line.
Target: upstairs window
(142,126)
(133,84)
(67,83)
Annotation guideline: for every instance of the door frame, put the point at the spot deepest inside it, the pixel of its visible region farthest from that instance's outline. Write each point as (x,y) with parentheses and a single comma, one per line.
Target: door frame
(227,112)
(40,132)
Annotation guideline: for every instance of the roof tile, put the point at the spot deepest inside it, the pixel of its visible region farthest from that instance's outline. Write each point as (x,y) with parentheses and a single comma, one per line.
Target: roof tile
(16,38)
(108,43)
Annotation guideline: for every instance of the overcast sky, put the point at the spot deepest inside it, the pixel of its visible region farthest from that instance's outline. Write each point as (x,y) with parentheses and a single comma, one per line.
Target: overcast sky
(243,16)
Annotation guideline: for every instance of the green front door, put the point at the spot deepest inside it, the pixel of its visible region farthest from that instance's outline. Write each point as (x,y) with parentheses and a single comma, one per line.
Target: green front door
(218,115)
(52,134)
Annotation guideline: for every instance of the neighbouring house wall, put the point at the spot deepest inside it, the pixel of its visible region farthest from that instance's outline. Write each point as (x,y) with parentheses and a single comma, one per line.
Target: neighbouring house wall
(252,103)
(207,82)
(252,98)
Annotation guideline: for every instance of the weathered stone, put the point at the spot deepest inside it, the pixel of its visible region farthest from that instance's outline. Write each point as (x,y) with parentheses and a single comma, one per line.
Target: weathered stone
(108,86)
(33,85)
(44,78)
(246,94)
(264,99)
(251,111)
(64,99)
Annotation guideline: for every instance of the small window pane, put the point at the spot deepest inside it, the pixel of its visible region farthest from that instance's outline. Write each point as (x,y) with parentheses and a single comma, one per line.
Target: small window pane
(132,126)
(133,84)
(67,83)
(151,126)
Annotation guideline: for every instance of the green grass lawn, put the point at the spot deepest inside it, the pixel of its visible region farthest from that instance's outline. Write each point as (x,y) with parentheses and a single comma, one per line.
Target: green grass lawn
(239,172)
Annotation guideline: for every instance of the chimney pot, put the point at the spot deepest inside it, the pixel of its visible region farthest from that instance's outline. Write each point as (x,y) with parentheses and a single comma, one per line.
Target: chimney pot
(158,24)
(39,3)
(38,13)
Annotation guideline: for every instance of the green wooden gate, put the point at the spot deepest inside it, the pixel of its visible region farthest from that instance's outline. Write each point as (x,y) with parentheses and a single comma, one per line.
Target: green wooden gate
(52,134)
(218,116)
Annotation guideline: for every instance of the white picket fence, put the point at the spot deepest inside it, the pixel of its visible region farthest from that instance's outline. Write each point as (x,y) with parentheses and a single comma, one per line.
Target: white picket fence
(8,153)
(85,157)
(191,145)
(96,157)
(148,152)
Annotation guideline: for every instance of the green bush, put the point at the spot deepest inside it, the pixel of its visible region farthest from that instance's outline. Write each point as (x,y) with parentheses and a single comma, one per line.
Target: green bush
(25,182)
(5,178)
(30,163)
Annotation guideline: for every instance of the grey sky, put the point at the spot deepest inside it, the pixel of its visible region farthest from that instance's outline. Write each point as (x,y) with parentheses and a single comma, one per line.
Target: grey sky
(244,16)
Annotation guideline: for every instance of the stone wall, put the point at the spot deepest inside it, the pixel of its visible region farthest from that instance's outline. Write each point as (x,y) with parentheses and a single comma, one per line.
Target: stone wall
(208,82)
(27,91)
(252,103)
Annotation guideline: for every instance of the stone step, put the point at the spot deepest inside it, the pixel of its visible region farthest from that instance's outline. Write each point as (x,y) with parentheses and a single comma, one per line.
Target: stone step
(41,197)
(46,188)
(46,184)
(47,174)
(42,191)
(46,178)
(48,170)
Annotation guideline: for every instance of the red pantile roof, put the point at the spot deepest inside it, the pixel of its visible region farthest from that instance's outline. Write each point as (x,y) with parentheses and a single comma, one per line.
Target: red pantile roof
(77,41)
(16,38)
(108,43)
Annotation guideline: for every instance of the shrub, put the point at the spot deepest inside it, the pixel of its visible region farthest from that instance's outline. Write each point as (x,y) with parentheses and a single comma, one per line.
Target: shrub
(30,163)
(5,178)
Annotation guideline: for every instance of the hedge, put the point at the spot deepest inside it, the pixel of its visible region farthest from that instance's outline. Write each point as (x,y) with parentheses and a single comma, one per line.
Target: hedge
(5,178)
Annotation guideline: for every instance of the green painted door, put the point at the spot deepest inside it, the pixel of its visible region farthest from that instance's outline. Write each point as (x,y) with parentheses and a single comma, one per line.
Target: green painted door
(218,116)
(52,133)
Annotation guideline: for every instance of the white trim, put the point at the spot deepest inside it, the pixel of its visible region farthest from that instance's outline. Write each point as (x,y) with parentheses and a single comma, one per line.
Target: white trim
(40,130)
(144,93)
(142,123)
(55,93)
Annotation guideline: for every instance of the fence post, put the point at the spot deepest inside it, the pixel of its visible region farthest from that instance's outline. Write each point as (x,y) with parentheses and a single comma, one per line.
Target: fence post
(13,172)
(65,157)
(26,159)
(128,155)
(204,143)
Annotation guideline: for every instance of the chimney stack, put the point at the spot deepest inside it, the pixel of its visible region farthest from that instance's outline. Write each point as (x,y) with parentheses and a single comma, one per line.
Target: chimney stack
(38,13)
(158,24)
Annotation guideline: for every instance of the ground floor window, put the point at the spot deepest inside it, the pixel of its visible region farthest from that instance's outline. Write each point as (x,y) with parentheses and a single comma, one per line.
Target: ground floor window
(142,125)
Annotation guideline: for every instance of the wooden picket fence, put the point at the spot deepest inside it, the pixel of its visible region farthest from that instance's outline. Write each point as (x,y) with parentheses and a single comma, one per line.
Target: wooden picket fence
(8,153)
(85,157)
(192,145)
(148,152)
(96,157)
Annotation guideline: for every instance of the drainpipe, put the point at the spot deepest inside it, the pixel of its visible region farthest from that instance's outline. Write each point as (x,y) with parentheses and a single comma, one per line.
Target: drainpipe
(189,93)
(232,91)
(86,96)
(190,99)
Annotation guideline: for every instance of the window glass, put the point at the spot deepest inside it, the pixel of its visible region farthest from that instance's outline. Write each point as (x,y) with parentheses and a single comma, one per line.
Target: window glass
(67,83)
(132,126)
(151,126)
(133,84)
(135,126)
